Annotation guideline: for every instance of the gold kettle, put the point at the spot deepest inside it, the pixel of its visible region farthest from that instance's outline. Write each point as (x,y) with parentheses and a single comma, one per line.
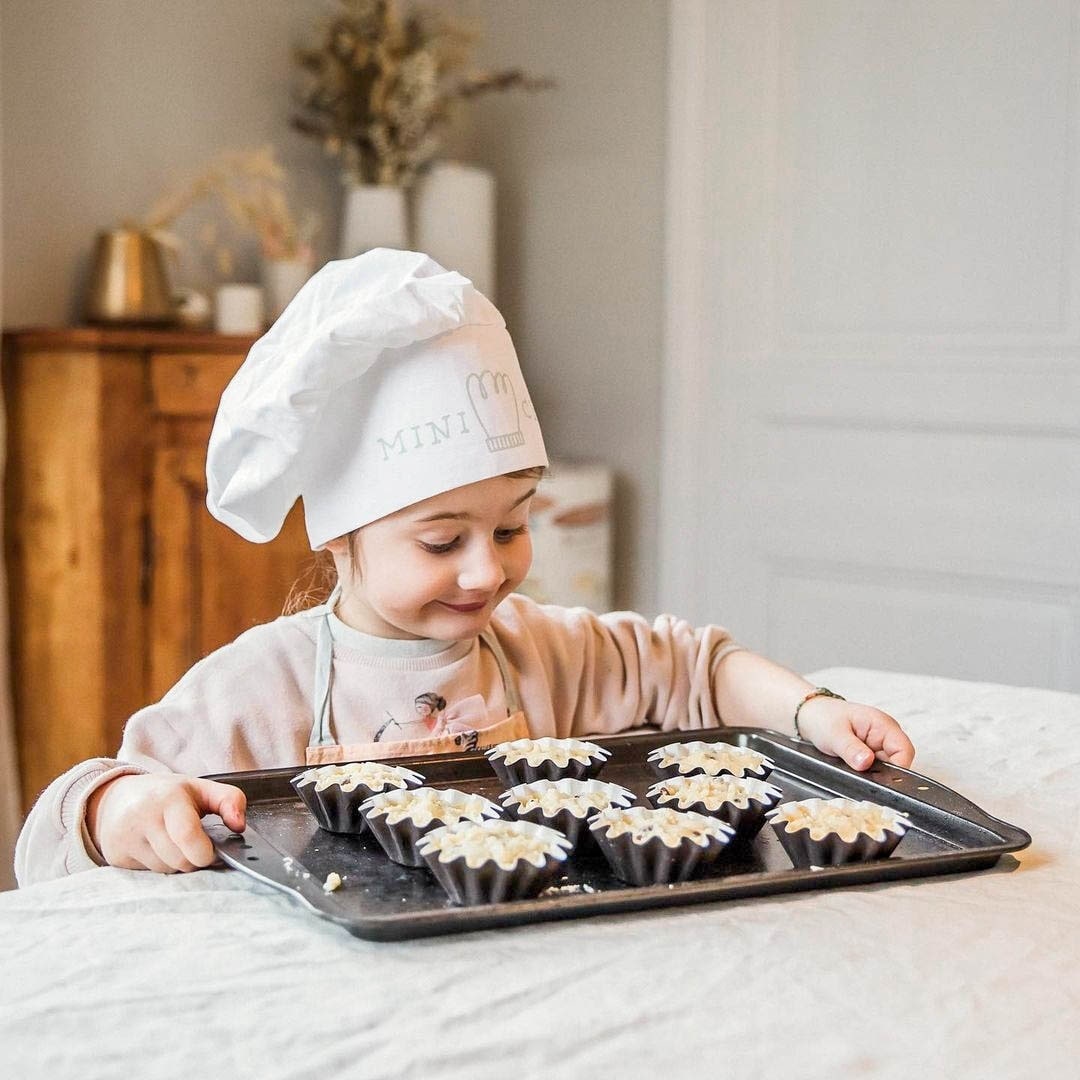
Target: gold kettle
(128,281)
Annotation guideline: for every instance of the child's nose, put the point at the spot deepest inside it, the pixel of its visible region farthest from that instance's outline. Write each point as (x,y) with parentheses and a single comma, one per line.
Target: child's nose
(482,571)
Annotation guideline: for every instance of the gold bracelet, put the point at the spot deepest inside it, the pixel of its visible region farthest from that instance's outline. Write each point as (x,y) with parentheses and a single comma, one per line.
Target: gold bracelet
(818,691)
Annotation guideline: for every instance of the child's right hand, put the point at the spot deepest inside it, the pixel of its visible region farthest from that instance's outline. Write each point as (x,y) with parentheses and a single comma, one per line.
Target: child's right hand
(152,822)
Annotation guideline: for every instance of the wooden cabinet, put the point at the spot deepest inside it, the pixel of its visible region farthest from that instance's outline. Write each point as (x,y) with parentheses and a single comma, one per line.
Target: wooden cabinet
(118,577)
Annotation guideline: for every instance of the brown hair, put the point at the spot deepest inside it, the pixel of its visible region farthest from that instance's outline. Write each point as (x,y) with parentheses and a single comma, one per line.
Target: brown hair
(317,580)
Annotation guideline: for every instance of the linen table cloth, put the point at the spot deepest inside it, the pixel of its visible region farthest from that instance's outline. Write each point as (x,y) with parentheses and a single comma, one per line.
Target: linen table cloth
(122,973)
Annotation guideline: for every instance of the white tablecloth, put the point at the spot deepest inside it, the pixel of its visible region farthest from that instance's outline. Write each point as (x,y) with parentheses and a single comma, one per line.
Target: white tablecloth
(117,973)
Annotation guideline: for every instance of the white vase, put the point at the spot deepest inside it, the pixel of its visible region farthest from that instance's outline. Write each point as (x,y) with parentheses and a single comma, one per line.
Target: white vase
(282,279)
(375,216)
(454,221)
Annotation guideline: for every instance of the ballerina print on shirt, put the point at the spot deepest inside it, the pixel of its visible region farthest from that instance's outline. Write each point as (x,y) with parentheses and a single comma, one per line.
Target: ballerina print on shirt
(458,721)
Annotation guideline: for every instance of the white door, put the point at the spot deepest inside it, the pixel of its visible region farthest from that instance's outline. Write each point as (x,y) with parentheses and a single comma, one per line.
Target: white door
(872,412)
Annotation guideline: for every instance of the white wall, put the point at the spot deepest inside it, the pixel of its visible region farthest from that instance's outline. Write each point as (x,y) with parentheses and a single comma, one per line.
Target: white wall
(580,244)
(108,102)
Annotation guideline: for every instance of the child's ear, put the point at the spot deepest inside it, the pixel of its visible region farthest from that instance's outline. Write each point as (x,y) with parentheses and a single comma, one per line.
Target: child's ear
(339,550)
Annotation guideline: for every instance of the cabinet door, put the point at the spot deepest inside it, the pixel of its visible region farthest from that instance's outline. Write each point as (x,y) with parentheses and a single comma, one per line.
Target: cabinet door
(74,488)
(207,585)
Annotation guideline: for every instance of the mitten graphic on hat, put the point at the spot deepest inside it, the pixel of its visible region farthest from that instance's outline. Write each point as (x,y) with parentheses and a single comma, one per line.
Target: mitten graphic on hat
(494,401)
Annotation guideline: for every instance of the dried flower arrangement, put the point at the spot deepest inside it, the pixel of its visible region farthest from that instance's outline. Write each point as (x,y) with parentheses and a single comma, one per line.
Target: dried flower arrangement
(251,186)
(380,88)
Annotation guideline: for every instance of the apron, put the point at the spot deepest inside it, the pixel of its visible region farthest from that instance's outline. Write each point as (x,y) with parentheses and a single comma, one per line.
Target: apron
(323,749)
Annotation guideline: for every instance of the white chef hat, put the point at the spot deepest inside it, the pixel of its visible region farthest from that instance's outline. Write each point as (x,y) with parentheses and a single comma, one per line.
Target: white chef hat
(387,380)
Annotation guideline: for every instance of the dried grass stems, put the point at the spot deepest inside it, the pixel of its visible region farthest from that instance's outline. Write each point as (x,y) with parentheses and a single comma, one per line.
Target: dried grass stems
(379,89)
(250,184)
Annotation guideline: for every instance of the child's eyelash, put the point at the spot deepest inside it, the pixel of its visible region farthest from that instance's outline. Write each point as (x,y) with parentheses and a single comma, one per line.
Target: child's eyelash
(502,536)
(439,549)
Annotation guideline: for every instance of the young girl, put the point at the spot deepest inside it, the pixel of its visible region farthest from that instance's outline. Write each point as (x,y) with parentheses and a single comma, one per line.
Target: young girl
(389,398)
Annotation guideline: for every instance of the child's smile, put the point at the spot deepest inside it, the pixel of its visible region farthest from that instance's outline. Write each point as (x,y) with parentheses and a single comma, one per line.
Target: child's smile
(464,609)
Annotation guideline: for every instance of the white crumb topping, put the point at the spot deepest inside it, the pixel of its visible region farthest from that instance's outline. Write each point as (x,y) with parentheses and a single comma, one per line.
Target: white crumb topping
(505,843)
(711,758)
(713,791)
(559,751)
(372,774)
(577,796)
(671,826)
(845,817)
(423,805)
(332,882)
(563,890)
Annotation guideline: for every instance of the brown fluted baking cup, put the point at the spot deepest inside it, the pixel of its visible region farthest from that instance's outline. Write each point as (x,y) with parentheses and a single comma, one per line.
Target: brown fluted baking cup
(338,811)
(804,851)
(757,771)
(571,825)
(522,772)
(399,838)
(654,862)
(745,820)
(490,883)
(832,850)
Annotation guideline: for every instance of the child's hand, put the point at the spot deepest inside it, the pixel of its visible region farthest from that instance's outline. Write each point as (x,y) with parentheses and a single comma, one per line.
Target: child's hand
(856,733)
(151,822)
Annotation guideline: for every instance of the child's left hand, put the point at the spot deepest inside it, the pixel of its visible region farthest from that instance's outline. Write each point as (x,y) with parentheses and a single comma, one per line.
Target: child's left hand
(857,733)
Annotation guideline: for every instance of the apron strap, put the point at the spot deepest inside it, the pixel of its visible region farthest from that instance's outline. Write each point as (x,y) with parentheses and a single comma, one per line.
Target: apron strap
(321,733)
(513,701)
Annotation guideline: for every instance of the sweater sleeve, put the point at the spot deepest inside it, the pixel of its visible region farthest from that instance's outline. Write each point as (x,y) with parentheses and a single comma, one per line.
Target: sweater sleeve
(242,707)
(587,674)
(54,841)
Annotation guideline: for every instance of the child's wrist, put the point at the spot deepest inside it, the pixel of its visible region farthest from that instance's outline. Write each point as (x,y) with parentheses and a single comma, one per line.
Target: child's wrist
(813,694)
(93,809)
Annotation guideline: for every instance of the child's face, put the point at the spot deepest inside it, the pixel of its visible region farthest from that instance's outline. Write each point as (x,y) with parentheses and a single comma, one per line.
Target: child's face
(438,568)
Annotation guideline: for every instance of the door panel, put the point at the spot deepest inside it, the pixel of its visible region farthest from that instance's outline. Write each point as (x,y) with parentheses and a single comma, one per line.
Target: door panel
(874,334)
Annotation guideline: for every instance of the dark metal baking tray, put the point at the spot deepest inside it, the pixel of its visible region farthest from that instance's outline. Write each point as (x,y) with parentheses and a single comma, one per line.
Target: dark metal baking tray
(380,900)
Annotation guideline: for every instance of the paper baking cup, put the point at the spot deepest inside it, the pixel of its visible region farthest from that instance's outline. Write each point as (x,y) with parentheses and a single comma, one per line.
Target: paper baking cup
(521,771)
(568,820)
(490,883)
(655,862)
(338,811)
(399,838)
(832,849)
(745,820)
(755,765)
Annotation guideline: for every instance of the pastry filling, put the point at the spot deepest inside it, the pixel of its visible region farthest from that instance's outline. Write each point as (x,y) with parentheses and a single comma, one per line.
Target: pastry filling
(424,805)
(671,826)
(506,843)
(844,817)
(371,774)
(713,791)
(577,796)
(537,751)
(712,758)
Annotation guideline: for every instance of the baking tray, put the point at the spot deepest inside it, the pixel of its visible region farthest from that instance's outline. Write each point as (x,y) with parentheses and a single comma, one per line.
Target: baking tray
(283,847)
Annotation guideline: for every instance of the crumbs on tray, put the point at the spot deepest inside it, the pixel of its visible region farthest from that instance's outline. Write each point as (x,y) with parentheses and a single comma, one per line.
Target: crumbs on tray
(558,890)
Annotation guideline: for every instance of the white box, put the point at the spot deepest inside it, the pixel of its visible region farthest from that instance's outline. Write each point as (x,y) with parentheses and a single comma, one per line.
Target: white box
(571,534)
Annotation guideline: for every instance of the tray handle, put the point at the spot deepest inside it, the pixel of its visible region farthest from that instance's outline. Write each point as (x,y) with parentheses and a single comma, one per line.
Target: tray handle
(911,788)
(254,855)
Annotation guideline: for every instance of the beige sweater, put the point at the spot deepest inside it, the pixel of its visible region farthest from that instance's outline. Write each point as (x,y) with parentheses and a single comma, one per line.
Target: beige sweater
(249,705)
